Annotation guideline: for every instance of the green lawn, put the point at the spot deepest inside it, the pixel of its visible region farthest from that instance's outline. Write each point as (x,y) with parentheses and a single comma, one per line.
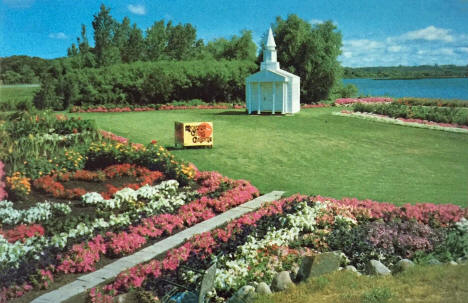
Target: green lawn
(10,95)
(428,284)
(315,152)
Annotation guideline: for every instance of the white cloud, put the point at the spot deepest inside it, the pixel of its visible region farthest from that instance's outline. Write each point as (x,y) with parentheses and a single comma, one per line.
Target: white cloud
(137,9)
(394,48)
(347,54)
(430,33)
(318,21)
(429,45)
(363,44)
(59,36)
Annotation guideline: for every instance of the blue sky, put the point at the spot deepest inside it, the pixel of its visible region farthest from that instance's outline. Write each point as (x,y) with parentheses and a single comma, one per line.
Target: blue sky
(375,32)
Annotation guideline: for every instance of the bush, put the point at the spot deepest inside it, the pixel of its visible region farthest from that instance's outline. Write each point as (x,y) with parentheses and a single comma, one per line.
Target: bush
(386,241)
(397,110)
(144,83)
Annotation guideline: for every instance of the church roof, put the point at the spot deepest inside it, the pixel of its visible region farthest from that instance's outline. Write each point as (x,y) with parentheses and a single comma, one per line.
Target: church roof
(267,75)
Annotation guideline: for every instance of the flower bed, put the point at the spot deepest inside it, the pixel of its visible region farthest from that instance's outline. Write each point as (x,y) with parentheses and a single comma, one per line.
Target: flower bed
(407,122)
(153,107)
(274,238)
(350,101)
(51,184)
(221,195)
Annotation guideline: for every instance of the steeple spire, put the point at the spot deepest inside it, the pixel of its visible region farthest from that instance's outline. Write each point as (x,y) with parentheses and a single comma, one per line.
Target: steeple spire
(270,44)
(269,53)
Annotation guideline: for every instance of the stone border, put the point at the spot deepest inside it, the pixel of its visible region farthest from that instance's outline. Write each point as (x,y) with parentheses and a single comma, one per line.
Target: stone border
(372,117)
(110,271)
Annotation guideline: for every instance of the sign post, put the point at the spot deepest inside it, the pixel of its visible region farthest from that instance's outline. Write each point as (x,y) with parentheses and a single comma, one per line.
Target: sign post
(193,134)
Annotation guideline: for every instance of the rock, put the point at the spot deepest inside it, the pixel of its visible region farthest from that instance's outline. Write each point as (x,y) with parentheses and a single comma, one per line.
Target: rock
(282,281)
(244,294)
(313,266)
(433,261)
(375,267)
(352,269)
(403,265)
(453,263)
(123,298)
(294,271)
(462,260)
(183,297)
(263,289)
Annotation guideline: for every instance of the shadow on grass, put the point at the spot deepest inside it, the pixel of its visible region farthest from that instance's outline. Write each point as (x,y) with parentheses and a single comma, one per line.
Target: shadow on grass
(231,113)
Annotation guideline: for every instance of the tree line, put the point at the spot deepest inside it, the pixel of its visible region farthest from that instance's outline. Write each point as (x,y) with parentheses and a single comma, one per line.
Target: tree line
(172,50)
(407,72)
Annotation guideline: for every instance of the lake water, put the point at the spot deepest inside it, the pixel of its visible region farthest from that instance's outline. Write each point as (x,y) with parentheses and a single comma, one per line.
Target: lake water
(453,88)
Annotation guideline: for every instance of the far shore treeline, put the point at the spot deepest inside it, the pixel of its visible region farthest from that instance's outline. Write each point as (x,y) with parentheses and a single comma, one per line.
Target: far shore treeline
(167,62)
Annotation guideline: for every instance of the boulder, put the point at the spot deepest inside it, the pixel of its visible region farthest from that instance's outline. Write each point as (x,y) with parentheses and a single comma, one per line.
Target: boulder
(352,269)
(313,266)
(282,281)
(244,294)
(263,289)
(453,263)
(462,260)
(433,261)
(375,267)
(403,265)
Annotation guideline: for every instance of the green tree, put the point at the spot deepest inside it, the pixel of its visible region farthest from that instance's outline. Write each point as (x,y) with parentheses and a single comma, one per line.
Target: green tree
(156,41)
(181,40)
(135,47)
(104,31)
(238,48)
(310,52)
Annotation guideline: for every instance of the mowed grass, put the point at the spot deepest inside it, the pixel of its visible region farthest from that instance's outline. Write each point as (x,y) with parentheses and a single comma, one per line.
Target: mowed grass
(15,93)
(314,152)
(428,284)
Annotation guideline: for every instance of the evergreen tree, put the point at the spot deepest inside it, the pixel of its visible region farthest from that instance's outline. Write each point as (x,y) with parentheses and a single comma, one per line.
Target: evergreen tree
(104,31)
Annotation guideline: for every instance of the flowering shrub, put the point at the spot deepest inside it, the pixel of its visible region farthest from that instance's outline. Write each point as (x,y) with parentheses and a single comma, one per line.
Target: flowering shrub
(427,213)
(19,184)
(124,243)
(349,101)
(82,257)
(51,184)
(42,279)
(21,232)
(41,212)
(407,122)
(3,193)
(151,107)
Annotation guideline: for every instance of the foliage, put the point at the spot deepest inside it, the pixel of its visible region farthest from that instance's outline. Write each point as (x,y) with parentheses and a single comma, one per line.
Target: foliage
(432,102)
(387,242)
(406,72)
(21,69)
(398,110)
(3,193)
(36,143)
(311,52)
(147,83)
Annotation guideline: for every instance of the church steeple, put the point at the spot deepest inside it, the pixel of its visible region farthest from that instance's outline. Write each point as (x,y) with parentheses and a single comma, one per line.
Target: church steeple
(269,53)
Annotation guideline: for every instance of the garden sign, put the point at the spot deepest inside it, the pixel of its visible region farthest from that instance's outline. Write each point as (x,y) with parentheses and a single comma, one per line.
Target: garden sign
(193,134)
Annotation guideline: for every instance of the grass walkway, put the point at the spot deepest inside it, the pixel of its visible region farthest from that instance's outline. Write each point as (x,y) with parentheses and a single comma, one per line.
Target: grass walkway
(315,152)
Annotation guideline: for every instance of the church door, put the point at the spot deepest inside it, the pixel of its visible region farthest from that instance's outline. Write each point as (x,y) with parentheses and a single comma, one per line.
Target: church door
(267,96)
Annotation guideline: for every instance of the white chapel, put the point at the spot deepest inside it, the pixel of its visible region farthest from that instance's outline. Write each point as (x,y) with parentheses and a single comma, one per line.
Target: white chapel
(272,89)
